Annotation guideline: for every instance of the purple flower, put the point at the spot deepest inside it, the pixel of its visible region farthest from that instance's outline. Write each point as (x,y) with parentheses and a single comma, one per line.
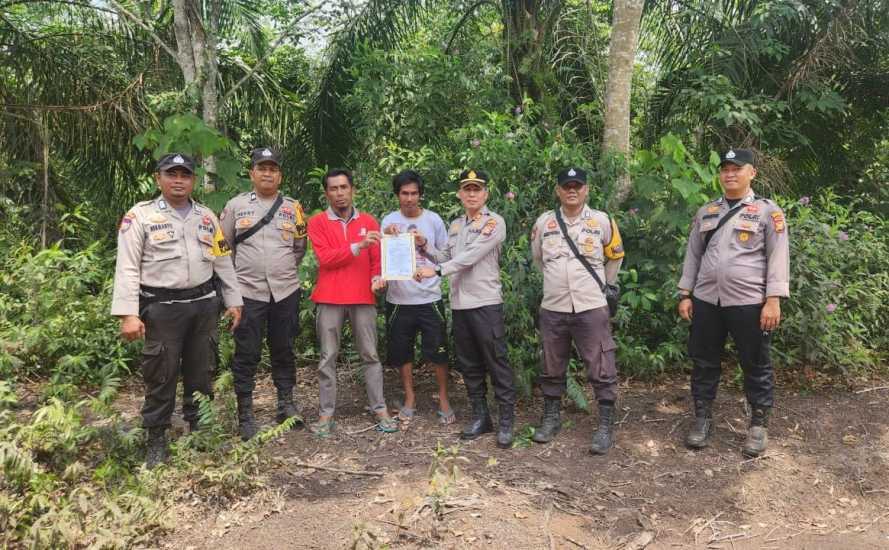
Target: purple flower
(804,201)
(517,110)
(843,236)
(476,143)
(831,308)
(510,196)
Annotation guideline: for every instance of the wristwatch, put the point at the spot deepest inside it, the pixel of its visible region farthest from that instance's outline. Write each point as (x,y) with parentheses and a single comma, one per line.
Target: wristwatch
(438,270)
(683,294)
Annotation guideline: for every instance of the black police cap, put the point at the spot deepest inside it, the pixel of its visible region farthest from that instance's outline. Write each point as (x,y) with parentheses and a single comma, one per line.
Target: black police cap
(473,176)
(264,154)
(738,157)
(175,160)
(569,175)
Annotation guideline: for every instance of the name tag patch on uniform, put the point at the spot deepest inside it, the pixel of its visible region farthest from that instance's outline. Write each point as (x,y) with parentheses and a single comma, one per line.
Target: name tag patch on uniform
(749,217)
(778,221)
(159,227)
(244,214)
(244,223)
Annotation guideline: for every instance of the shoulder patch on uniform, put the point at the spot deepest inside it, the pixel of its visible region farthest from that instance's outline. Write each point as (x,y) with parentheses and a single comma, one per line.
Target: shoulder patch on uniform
(127,221)
(614,250)
(220,245)
(778,221)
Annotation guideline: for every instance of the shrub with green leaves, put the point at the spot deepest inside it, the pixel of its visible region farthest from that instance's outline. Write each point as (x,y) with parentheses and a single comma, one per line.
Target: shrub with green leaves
(54,315)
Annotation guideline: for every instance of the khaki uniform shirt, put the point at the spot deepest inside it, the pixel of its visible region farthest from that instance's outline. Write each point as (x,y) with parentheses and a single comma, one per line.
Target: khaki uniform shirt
(746,261)
(567,285)
(471,257)
(268,261)
(156,247)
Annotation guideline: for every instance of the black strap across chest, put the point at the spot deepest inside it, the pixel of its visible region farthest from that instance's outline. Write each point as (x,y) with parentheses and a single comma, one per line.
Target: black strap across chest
(261,223)
(573,246)
(722,221)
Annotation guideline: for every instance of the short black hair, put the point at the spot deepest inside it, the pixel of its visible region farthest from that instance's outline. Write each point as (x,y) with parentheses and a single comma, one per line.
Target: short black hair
(334,173)
(403,178)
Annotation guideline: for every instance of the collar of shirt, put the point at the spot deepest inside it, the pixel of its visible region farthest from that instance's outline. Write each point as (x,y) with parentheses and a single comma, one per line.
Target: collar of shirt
(748,198)
(331,215)
(483,212)
(161,204)
(585,214)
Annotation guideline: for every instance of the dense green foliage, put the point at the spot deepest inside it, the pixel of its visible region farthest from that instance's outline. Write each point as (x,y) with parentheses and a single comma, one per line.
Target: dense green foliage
(88,98)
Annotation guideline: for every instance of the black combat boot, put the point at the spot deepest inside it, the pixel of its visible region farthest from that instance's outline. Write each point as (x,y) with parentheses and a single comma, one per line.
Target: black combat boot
(286,407)
(246,421)
(480,423)
(602,439)
(156,453)
(757,433)
(551,422)
(699,435)
(504,431)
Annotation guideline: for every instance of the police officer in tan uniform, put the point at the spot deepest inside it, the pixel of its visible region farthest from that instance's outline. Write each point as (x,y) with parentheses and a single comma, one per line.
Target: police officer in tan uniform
(574,308)
(471,258)
(736,270)
(172,265)
(267,233)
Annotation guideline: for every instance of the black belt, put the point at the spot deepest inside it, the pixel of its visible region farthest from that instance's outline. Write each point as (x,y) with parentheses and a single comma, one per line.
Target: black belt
(149,294)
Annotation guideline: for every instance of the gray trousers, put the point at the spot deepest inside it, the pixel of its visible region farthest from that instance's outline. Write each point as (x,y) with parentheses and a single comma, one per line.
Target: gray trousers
(329,320)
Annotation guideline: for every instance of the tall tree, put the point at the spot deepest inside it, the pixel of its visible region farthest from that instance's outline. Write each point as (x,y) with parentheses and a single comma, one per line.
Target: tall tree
(621,59)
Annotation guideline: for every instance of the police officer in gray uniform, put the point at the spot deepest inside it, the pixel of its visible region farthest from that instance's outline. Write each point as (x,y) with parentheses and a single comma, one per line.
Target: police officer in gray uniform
(172,264)
(736,270)
(267,233)
(574,308)
(471,258)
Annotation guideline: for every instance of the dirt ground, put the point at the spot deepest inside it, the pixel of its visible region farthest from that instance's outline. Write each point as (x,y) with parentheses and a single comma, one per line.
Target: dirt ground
(823,483)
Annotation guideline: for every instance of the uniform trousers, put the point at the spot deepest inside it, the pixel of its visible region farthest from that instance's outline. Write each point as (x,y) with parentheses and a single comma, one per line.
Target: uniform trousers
(709,328)
(280,321)
(329,321)
(479,337)
(179,337)
(590,332)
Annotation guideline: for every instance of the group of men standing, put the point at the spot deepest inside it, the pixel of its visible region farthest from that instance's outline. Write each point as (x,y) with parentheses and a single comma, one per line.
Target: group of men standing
(179,266)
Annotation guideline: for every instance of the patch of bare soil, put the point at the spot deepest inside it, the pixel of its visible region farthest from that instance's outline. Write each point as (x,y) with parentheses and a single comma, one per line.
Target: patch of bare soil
(823,483)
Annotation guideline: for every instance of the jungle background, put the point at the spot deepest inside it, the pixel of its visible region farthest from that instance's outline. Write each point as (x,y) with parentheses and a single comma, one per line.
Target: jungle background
(91,93)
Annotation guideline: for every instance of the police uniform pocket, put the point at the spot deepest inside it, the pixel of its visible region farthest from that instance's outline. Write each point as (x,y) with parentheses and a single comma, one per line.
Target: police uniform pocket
(154,368)
(608,362)
(286,230)
(747,236)
(163,243)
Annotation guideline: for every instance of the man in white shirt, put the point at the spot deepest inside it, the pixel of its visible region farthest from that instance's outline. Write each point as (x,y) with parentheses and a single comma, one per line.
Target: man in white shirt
(416,306)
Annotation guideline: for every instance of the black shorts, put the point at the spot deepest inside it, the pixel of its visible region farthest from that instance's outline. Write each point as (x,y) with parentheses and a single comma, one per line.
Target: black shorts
(402,324)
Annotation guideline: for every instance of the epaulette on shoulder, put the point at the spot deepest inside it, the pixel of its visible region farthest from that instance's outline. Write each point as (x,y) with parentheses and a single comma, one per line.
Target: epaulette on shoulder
(144,203)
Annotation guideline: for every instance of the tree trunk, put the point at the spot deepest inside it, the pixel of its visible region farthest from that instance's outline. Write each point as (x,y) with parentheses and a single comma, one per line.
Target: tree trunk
(209,91)
(621,57)
(44,137)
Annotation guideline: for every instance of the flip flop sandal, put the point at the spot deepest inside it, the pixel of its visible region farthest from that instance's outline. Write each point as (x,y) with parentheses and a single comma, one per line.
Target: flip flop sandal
(387,425)
(406,414)
(323,429)
(446,418)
